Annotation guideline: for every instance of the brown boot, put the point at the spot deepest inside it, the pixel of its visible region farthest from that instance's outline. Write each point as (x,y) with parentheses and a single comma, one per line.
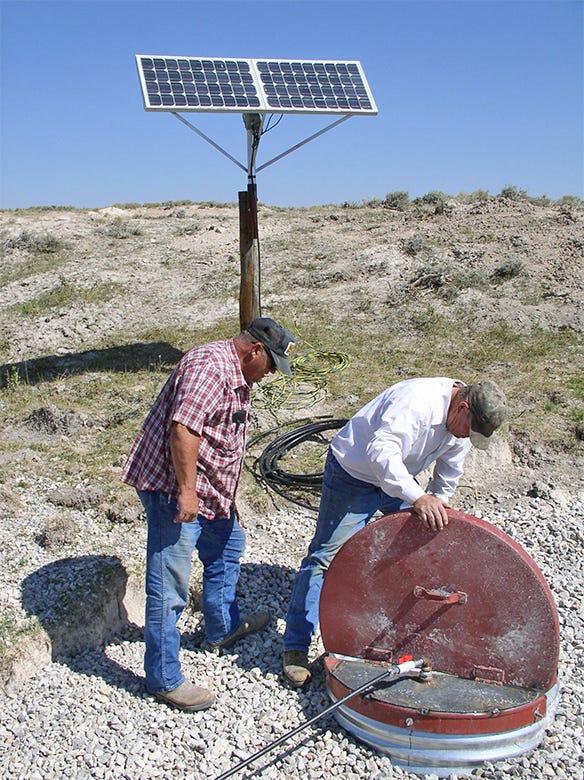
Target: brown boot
(296,668)
(248,625)
(188,697)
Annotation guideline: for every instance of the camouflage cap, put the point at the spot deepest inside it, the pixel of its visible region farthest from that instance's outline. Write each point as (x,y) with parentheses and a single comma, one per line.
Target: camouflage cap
(488,410)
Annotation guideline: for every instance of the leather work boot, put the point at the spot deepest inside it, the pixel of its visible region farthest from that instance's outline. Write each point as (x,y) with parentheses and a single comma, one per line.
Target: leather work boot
(188,697)
(249,624)
(296,667)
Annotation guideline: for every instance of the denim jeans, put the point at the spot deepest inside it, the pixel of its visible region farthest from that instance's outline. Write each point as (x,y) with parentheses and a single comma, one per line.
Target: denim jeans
(346,506)
(220,544)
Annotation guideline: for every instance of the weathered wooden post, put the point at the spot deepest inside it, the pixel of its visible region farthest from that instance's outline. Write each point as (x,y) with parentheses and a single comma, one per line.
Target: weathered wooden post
(249,287)
(250,305)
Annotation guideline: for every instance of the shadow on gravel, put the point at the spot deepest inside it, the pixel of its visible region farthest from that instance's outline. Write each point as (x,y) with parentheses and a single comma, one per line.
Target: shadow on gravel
(262,586)
(80,603)
(127,357)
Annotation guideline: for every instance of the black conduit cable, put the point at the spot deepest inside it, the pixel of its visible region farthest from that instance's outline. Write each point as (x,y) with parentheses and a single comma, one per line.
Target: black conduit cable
(252,183)
(272,126)
(267,470)
(255,145)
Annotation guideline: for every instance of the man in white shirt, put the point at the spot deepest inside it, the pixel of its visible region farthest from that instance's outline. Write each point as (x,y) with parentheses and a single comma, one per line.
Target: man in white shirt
(372,464)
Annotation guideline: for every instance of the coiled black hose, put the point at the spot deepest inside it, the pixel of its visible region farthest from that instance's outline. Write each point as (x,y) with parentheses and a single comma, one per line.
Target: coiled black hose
(267,470)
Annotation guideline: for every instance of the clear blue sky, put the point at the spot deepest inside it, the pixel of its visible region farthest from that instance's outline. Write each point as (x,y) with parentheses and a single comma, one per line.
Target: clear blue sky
(471,95)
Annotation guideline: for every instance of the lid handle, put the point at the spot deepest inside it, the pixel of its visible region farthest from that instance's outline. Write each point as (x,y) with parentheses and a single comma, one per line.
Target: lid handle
(440,594)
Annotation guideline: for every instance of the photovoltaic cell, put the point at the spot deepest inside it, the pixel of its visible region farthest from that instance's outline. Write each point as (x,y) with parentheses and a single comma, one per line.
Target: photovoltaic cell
(259,86)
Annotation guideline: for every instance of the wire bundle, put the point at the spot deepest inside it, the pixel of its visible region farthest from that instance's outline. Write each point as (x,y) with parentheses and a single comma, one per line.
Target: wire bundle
(307,385)
(291,486)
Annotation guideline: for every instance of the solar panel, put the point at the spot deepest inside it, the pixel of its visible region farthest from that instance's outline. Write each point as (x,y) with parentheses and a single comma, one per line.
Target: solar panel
(324,87)
(257,86)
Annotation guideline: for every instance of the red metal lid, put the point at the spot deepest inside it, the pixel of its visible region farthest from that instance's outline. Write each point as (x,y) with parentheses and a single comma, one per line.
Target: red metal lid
(469,598)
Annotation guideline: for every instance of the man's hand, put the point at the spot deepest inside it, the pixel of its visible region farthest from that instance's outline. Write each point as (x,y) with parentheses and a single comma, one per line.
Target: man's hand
(238,515)
(188,506)
(432,512)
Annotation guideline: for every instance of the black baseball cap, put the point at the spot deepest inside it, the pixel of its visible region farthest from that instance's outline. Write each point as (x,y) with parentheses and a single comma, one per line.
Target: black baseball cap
(276,338)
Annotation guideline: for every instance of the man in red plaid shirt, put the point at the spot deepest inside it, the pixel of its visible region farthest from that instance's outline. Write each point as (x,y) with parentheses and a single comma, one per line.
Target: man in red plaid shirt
(185,464)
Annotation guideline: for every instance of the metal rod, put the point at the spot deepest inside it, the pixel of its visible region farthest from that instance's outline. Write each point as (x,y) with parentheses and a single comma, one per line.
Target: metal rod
(306,140)
(209,140)
(395,670)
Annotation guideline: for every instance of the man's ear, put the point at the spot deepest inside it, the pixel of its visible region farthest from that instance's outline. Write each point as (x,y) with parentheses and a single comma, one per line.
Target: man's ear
(256,348)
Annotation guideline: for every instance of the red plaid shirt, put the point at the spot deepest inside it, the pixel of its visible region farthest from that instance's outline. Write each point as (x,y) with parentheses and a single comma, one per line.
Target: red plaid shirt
(203,393)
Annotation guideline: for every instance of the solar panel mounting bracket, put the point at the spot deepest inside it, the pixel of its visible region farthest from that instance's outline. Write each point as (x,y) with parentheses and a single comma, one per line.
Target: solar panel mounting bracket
(254,130)
(305,141)
(209,140)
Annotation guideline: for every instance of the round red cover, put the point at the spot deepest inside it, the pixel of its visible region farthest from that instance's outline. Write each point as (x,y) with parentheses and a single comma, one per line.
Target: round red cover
(507,631)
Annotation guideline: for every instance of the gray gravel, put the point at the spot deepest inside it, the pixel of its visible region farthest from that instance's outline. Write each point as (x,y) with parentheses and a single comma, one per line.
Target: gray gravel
(87,716)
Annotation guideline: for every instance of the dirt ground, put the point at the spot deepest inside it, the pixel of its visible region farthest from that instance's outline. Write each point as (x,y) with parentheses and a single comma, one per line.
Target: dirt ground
(168,266)
(469,286)
(96,306)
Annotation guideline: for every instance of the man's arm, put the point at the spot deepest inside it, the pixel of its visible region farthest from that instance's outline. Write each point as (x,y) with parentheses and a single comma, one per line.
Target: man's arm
(448,470)
(184,451)
(387,450)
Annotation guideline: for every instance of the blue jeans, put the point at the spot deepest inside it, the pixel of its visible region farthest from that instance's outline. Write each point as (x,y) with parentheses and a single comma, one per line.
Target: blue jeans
(220,544)
(346,506)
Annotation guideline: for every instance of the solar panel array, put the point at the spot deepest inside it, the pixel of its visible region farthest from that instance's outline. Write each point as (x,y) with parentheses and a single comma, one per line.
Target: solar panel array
(260,86)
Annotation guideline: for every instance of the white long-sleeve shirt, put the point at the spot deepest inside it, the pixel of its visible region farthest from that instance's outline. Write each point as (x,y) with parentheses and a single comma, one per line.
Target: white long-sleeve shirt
(399,434)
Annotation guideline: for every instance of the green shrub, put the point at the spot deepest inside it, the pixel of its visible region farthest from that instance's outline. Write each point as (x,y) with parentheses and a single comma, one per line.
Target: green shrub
(428,321)
(205,204)
(508,269)
(446,281)
(66,294)
(35,209)
(430,277)
(62,295)
(571,201)
(510,192)
(416,245)
(577,416)
(576,385)
(119,229)
(432,198)
(187,230)
(480,196)
(540,200)
(398,200)
(38,243)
